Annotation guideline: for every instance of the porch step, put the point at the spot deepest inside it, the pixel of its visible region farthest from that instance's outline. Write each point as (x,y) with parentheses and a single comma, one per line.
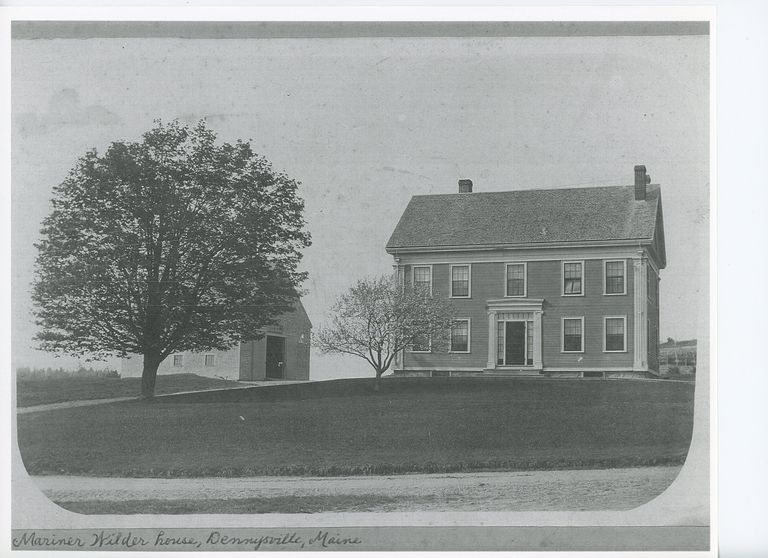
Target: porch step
(505,373)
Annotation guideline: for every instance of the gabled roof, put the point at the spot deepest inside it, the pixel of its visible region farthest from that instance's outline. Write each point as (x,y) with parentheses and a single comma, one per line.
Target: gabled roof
(524,217)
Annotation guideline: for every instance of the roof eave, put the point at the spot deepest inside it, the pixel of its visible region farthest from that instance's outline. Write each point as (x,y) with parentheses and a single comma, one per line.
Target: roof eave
(392,250)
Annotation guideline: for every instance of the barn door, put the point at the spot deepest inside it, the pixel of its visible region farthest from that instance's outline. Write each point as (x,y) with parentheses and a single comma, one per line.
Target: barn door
(275,357)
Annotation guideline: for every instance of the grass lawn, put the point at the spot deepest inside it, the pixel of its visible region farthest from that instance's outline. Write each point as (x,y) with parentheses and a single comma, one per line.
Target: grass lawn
(342,427)
(57,390)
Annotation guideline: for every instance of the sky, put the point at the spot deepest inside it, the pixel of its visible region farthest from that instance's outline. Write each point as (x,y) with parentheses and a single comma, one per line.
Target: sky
(365,123)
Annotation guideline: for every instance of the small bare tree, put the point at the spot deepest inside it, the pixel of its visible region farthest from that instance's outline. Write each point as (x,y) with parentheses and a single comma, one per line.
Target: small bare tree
(377,318)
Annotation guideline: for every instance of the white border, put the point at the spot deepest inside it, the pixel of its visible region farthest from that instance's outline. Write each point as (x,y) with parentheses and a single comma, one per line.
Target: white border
(744,92)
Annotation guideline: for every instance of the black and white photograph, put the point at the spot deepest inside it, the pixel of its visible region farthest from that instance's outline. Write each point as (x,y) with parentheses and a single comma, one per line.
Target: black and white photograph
(343,285)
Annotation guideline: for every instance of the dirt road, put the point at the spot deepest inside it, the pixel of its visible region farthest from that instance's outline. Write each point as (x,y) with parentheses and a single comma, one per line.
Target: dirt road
(604,489)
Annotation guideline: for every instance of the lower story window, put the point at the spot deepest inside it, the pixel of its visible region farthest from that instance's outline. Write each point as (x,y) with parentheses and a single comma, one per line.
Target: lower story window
(209,360)
(573,335)
(421,344)
(460,336)
(177,360)
(615,330)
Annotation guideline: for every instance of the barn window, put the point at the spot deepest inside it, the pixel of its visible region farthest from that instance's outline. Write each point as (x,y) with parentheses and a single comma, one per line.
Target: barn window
(177,360)
(460,336)
(209,360)
(615,334)
(573,278)
(615,273)
(516,279)
(573,335)
(460,281)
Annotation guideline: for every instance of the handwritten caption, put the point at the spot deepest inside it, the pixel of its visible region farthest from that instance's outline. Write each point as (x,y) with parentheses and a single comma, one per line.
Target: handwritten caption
(160,539)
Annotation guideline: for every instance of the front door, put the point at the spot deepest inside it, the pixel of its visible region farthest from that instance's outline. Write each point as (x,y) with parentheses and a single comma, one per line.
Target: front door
(275,357)
(514,350)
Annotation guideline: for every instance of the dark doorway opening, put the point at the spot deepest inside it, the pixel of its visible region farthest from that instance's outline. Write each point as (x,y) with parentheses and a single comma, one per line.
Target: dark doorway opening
(275,357)
(515,346)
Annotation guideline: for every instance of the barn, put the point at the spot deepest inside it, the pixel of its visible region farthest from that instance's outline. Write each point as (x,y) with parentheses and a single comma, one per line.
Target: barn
(281,354)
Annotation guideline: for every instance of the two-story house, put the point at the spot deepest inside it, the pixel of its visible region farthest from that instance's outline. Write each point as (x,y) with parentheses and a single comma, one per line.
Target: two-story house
(562,282)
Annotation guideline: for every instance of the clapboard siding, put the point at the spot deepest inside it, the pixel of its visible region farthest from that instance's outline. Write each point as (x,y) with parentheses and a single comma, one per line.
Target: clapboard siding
(593,306)
(544,282)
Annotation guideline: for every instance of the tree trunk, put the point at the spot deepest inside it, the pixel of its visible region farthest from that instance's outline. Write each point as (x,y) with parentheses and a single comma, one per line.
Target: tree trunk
(377,381)
(149,375)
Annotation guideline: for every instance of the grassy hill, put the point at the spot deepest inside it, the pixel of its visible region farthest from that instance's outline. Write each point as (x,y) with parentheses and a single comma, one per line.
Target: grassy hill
(342,427)
(44,390)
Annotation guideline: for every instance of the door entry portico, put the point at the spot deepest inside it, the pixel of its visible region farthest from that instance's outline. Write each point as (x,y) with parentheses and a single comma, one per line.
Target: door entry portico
(515,333)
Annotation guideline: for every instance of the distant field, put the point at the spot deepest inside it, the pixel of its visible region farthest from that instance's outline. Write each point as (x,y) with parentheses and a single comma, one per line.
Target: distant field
(342,427)
(56,390)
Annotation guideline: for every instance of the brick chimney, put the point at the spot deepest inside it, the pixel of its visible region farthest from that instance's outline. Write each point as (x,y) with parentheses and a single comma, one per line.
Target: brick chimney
(641,180)
(465,186)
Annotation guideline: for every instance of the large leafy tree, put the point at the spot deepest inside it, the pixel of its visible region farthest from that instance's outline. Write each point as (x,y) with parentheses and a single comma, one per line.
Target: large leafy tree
(378,318)
(173,243)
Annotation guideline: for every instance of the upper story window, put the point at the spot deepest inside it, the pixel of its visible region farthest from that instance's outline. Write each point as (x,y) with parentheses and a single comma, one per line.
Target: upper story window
(615,277)
(460,336)
(460,281)
(573,335)
(516,279)
(178,360)
(615,334)
(209,360)
(573,278)
(422,279)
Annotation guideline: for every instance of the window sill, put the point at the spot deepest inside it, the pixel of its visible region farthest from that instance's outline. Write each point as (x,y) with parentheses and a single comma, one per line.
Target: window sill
(615,294)
(616,352)
(419,352)
(516,296)
(580,294)
(572,352)
(459,352)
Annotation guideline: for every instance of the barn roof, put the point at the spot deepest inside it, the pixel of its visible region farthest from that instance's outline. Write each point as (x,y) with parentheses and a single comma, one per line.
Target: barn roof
(565,215)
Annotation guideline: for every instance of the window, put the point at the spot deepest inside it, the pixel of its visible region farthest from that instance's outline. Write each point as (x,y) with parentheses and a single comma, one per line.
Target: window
(615,334)
(460,277)
(209,360)
(421,344)
(422,279)
(615,272)
(516,279)
(177,360)
(573,335)
(460,336)
(573,278)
